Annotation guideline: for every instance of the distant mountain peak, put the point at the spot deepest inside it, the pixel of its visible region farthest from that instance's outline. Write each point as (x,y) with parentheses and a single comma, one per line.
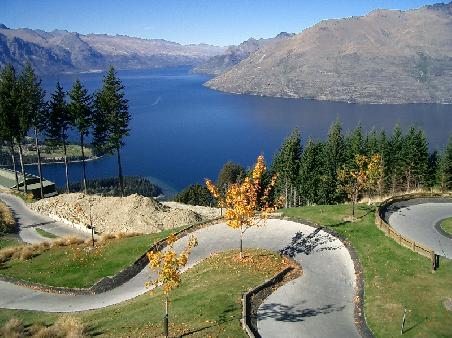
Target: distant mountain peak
(442,7)
(284,35)
(2,26)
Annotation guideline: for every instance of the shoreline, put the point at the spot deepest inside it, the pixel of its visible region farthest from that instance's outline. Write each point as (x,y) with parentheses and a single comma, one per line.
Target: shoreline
(94,158)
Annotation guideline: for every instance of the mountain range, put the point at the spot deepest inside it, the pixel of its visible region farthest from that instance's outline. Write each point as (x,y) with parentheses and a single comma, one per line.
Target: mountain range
(62,51)
(235,54)
(387,56)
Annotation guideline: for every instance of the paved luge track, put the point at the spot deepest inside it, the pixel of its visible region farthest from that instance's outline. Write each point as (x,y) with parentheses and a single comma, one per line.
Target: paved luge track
(317,304)
(28,220)
(417,219)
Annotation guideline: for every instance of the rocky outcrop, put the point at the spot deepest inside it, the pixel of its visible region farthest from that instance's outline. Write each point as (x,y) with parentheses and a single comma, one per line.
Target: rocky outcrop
(387,56)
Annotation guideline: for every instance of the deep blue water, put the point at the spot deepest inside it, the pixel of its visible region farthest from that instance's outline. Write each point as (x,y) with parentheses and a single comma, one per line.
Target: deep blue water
(183,132)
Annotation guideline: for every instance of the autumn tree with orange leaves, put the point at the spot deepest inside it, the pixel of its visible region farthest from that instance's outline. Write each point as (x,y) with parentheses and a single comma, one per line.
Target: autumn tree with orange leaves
(247,203)
(168,265)
(364,175)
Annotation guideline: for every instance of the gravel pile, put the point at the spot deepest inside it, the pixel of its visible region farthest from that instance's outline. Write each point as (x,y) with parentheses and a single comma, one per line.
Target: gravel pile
(133,213)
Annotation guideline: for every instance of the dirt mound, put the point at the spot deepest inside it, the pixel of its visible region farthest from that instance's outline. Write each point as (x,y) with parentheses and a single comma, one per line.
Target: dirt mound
(205,212)
(115,214)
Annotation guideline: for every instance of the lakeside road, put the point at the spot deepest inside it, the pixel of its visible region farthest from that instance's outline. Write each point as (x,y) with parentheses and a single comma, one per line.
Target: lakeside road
(418,219)
(317,304)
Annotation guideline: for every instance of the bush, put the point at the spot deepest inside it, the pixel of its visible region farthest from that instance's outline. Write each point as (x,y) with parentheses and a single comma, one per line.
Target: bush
(7,221)
(195,195)
(13,328)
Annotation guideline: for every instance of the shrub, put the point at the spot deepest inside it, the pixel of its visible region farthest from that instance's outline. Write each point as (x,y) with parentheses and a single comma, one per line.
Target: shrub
(7,221)
(195,194)
(13,328)
(26,253)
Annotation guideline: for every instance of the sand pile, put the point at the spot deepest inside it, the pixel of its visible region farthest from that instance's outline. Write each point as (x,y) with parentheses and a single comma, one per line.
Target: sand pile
(116,214)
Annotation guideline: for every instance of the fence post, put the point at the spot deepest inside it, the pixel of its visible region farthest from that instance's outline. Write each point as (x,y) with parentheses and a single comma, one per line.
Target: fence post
(433,261)
(413,247)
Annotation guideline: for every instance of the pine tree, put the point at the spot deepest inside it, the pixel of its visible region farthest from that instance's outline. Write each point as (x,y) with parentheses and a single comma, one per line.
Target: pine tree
(286,164)
(309,174)
(111,119)
(372,144)
(333,160)
(396,160)
(58,123)
(354,145)
(81,116)
(229,174)
(8,111)
(432,175)
(446,166)
(34,110)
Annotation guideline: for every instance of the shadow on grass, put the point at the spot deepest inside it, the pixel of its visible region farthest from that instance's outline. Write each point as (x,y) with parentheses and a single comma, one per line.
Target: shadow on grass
(285,313)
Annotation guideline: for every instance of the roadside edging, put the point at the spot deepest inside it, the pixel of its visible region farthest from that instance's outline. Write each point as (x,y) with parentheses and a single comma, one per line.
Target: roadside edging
(111,282)
(359,314)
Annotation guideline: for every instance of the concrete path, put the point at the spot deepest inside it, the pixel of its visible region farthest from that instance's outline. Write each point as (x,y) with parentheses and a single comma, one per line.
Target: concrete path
(29,220)
(418,220)
(318,304)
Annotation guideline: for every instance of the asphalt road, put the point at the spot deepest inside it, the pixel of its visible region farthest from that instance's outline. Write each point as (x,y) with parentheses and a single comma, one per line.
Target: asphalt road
(29,220)
(418,220)
(317,304)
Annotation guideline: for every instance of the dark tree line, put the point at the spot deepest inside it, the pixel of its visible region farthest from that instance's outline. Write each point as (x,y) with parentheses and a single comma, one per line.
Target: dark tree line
(23,109)
(309,175)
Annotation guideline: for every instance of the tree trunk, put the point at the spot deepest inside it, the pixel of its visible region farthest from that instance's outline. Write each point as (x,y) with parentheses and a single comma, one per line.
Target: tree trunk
(66,167)
(83,163)
(241,242)
(38,153)
(13,157)
(121,181)
(21,158)
(353,207)
(166,319)
(286,195)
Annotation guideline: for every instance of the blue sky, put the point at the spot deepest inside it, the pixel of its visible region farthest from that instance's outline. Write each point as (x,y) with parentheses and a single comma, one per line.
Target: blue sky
(186,21)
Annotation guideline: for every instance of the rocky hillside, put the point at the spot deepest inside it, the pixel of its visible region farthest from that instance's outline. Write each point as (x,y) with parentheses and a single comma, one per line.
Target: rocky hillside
(235,54)
(63,51)
(387,56)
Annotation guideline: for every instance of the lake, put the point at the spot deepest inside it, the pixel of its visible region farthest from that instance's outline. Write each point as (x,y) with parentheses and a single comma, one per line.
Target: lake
(183,132)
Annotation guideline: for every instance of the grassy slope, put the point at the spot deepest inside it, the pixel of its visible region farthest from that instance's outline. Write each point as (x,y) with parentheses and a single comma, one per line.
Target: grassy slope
(8,240)
(206,304)
(44,233)
(394,276)
(75,267)
(446,225)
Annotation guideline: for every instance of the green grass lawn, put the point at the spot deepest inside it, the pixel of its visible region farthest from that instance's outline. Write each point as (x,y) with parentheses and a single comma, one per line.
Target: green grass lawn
(77,265)
(394,276)
(446,225)
(44,233)
(8,240)
(207,304)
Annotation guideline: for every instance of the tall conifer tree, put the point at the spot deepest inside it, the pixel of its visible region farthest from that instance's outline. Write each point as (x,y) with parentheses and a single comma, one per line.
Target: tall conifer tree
(58,124)
(81,116)
(111,119)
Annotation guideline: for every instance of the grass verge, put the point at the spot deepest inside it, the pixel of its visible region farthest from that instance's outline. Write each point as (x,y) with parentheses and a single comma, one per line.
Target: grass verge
(446,225)
(80,266)
(46,234)
(206,304)
(395,277)
(7,241)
